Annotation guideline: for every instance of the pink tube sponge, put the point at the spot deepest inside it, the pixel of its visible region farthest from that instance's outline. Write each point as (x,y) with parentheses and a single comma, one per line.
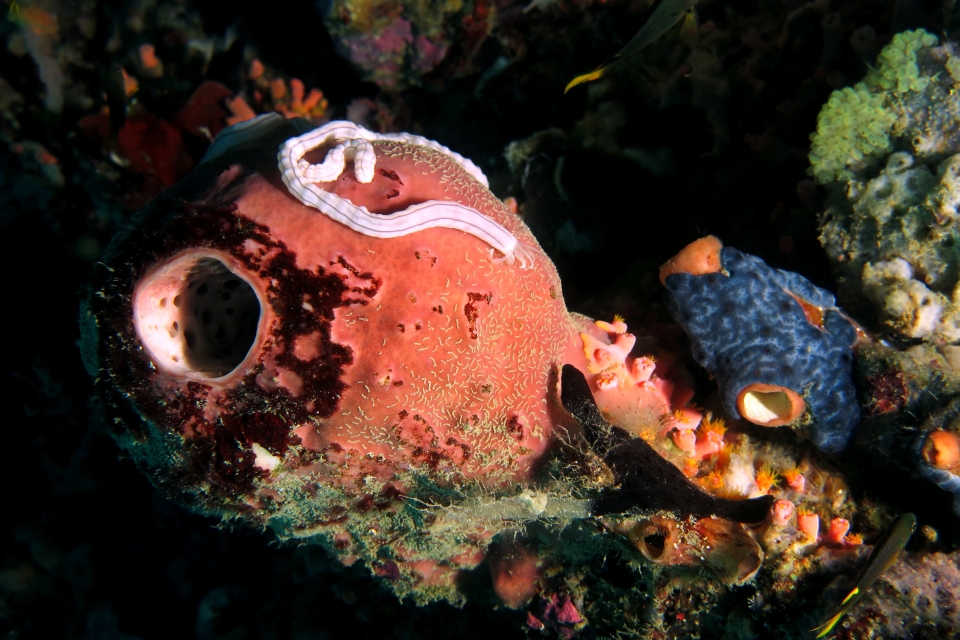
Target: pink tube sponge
(515,570)
(809,525)
(277,346)
(836,531)
(781,512)
(377,355)
(635,391)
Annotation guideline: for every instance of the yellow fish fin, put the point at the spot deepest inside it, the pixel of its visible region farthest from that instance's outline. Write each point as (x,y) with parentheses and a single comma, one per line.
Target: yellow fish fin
(587,77)
(855,591)
(828,626)
(13,15)
(689,29)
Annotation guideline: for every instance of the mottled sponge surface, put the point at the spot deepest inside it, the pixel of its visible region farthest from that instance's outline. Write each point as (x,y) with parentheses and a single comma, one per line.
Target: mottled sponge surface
(747,326)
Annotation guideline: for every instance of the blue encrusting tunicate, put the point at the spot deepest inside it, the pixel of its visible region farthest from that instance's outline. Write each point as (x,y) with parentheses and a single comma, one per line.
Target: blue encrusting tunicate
(748,325)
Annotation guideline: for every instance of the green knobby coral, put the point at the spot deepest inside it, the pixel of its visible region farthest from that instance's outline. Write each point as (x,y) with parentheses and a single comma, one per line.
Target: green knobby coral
(854,127)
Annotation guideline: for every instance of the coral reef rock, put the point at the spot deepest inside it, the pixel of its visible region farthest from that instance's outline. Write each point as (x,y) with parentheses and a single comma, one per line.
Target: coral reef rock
(888,150)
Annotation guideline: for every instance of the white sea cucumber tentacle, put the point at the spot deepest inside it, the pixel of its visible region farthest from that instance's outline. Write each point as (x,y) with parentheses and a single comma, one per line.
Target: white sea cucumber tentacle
(292,151)
(294,148)
(301,177)
(359,150)
(521,253)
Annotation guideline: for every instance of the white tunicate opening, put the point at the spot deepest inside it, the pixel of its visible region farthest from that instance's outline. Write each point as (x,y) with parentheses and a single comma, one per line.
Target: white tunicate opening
(762,407)
(195,316)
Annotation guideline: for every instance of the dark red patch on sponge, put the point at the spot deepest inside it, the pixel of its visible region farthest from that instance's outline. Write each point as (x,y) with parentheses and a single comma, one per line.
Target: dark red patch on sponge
(515,427)
(375,283)
(472,309)
(218,454)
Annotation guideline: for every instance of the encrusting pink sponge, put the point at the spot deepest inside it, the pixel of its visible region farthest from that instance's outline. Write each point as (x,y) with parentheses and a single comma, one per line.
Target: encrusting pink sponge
(338,341)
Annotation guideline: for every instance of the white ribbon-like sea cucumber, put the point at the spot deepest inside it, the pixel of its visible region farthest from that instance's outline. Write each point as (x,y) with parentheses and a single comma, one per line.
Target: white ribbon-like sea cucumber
(355,143)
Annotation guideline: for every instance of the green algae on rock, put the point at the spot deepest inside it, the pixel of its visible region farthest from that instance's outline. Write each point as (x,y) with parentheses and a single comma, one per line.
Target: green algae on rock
(886,151)
(854,128)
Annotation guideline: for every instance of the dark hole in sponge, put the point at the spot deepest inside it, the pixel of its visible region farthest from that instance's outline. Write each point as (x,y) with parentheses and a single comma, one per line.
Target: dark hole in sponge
(654,543)
(218,337)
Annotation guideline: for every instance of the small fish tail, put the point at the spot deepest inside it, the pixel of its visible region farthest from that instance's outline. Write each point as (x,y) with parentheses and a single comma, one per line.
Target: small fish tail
(690,29)
(587,77)
(828,626)
(855,591)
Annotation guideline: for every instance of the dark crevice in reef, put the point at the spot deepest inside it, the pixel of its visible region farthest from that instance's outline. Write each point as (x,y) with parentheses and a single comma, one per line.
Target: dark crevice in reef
(647,481)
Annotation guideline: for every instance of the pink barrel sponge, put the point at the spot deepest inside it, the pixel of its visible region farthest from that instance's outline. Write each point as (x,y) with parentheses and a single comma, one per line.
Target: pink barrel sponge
(344,345)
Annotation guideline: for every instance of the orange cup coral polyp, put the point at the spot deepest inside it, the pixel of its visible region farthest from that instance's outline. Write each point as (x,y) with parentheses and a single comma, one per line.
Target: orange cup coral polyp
(941,450)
